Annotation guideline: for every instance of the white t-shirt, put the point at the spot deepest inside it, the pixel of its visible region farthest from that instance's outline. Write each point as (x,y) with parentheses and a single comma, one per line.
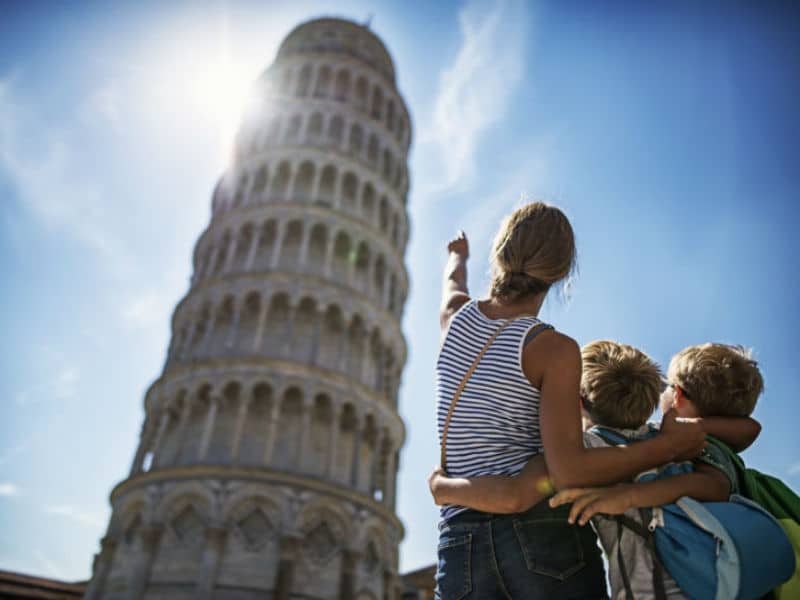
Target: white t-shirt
(636,555)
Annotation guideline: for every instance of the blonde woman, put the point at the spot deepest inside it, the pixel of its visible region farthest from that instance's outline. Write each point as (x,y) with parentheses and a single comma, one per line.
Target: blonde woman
(522,402)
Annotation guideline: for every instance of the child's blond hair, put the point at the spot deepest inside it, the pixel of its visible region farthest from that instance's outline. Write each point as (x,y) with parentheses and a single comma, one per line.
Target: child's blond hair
(621,384)
(719,379)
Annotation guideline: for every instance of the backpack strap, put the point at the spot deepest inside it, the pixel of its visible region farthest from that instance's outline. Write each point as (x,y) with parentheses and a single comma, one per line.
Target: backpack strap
(625,522)
(609,435)
(462,385)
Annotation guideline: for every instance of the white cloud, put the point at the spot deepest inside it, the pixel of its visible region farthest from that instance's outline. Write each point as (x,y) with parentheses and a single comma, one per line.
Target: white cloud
(148,309)
(41,164)
(475,90)
(63,387)
(794,469)
(8,489)
(70,512)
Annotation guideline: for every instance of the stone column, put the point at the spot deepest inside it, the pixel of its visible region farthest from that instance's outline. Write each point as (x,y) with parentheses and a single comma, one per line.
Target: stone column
(387,288)
(356,464)
(251,254)
(366,358)
(186,412)
(305,430)
(327,269)
(371,275)
(272,430)
(284,344)
(289,551)
(213,260)
(262,319)
(320,317)
(162,428)
(333,441)
(209,427)
(231,253)
(212,555)
(276,250)
(209,332)
(244,405)
(344,347)
(151,535)
(304,242)
(391,479)
(231,340)
(347,581)
(293,173)
(101,568)
(187,343)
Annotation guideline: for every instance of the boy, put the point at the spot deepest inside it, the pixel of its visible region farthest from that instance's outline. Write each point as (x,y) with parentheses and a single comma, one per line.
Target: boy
(620,389)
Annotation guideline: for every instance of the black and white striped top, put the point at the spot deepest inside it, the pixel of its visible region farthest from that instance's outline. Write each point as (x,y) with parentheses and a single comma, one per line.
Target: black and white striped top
(494,429)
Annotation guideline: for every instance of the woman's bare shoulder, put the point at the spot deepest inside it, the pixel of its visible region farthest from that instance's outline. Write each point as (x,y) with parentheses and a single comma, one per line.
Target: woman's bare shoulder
(549,349)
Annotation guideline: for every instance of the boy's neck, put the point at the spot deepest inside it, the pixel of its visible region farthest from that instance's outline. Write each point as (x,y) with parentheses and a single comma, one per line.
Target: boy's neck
(687,410)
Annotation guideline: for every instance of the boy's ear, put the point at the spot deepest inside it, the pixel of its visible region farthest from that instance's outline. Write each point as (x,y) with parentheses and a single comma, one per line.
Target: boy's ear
(679,399)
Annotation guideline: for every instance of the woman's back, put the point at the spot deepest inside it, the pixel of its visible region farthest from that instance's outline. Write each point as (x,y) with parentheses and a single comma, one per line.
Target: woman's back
(494,429)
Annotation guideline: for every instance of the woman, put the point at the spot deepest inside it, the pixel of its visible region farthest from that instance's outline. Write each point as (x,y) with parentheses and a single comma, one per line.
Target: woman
(521,402)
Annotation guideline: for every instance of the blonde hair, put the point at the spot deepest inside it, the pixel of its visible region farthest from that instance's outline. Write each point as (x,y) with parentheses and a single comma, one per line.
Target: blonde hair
(720,379)
(621,383)
(534,248)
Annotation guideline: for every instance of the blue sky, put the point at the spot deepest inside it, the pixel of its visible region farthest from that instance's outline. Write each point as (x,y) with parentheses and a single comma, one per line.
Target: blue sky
(669,135)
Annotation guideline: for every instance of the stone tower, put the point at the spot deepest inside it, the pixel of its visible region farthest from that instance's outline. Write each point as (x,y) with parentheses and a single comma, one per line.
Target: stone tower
(268,457)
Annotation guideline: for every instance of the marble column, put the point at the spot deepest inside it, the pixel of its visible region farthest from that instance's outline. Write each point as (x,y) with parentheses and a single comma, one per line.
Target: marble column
(209,427)
(212,555)
(289,554)
(150,536)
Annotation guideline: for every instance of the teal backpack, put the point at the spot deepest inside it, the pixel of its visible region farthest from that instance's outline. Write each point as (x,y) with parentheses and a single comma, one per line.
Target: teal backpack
(713,550)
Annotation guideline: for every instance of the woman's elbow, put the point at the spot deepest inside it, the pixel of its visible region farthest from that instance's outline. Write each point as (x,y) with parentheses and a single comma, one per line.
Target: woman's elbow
(567,474)
(517,504)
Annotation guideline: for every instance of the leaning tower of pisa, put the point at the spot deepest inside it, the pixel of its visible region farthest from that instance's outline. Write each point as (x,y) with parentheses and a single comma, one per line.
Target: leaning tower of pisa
(268,457)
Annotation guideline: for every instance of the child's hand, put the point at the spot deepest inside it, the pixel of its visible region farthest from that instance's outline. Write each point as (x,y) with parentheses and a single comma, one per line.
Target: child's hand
(587,502)
(687,435)
(433,483)
(459,245)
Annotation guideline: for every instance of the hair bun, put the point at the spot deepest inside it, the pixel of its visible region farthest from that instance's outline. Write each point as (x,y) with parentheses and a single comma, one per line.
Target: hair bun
(513,284)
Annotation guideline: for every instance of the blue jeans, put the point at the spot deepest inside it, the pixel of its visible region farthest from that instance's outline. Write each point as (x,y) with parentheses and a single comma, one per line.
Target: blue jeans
(535,555)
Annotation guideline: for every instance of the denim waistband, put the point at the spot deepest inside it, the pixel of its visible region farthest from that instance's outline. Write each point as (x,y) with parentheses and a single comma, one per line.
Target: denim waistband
(475,518)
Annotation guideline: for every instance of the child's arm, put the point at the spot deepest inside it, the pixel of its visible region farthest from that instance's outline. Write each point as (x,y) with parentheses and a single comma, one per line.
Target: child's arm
(494,493)
(737,432)
(706,484)
(454,283)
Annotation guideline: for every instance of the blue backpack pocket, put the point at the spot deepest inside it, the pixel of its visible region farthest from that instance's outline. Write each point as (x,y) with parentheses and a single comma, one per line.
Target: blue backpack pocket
(722,550)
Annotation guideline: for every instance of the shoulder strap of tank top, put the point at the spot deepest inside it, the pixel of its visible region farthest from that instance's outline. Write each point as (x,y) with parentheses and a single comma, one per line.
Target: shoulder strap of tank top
(462,385)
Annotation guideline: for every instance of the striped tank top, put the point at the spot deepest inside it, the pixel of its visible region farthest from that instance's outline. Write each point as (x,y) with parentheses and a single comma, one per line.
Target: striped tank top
(494,429)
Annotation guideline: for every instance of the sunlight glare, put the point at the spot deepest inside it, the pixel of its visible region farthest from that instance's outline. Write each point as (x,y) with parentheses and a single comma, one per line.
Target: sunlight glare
(221,89)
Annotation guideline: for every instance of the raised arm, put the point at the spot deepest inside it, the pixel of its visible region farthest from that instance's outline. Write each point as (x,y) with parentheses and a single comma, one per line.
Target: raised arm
(738,432)
(552,362)
(706,484)
(454,283)
(494,493)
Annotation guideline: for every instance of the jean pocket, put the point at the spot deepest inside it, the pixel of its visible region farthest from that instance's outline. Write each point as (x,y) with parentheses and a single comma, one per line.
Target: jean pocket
(453,580)
(550,547)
